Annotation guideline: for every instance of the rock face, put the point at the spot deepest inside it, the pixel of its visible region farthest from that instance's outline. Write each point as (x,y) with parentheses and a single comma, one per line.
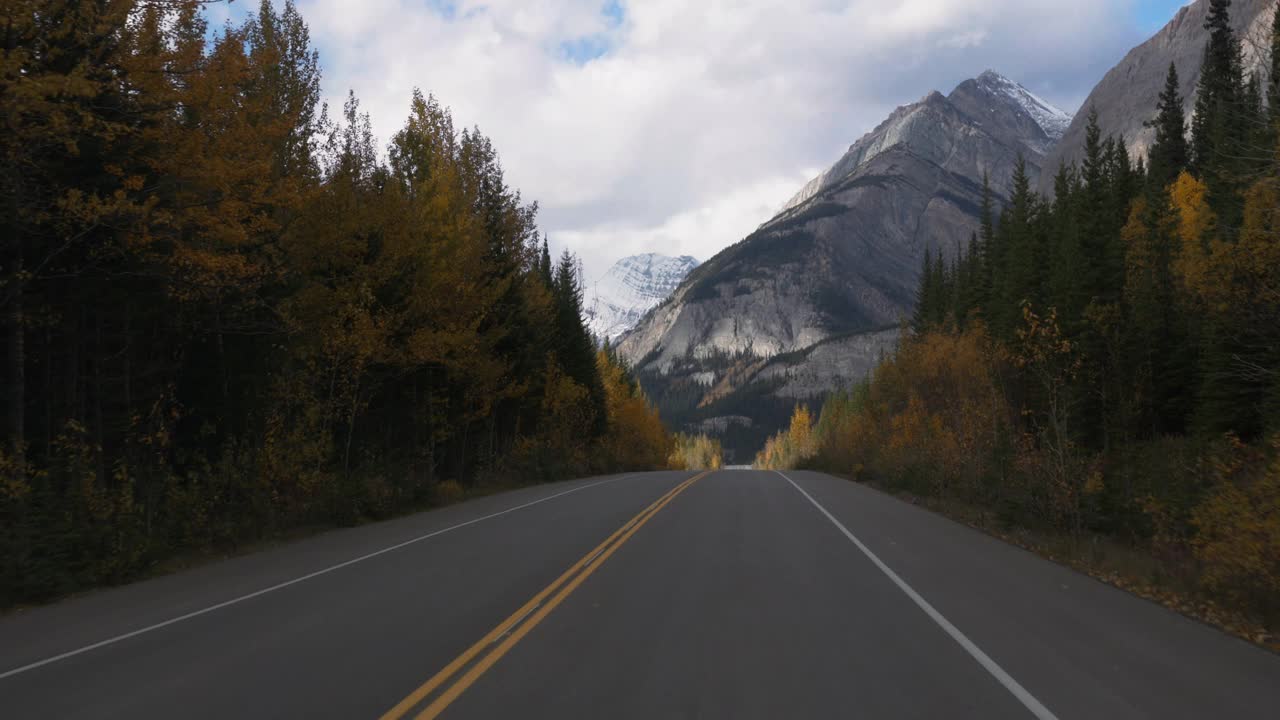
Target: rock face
(840,262)
(617,301)
(1126,97)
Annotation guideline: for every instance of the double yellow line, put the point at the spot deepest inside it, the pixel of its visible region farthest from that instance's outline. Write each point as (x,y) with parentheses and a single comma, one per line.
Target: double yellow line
(490,649)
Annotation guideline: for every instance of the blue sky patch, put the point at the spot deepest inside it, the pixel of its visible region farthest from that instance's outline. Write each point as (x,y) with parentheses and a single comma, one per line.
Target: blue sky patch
(1151,15)
(582,50)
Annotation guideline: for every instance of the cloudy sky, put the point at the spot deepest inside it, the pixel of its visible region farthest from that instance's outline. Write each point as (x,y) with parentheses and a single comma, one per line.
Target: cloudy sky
(678,126)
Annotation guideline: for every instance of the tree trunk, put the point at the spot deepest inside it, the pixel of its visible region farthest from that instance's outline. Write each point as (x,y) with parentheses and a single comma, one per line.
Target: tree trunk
(18,374)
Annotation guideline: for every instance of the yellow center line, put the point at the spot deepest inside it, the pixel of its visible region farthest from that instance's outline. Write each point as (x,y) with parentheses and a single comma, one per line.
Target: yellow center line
(590,562)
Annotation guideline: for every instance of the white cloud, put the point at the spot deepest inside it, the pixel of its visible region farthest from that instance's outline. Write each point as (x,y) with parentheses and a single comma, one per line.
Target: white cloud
(700,118)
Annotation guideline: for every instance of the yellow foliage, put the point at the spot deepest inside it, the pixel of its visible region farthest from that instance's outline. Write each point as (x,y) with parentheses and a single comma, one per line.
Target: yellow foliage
(1245,274)
(1238,525)
(930,420)
(1195,224)
(801,432)
(797,443)
(637,439)
(447,493)
(695,452)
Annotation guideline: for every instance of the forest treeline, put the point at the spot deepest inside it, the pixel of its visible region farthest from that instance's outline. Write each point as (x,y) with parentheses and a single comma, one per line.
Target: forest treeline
(227,314)
(1105,363)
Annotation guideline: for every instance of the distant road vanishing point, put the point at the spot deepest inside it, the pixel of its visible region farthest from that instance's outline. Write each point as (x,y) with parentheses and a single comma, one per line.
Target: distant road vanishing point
(744,594)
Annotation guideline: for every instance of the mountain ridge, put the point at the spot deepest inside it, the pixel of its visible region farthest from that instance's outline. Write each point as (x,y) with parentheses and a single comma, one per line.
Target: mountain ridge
(630,288)
(843,257)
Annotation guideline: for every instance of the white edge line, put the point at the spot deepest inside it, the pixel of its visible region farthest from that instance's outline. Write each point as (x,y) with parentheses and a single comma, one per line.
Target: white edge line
(287,583)
(1021,693)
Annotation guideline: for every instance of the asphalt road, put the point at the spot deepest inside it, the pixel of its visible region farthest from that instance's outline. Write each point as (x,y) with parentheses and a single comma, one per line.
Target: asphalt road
(735,594)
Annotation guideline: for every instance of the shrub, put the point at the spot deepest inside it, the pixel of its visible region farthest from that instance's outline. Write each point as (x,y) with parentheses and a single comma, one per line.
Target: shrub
(447,493)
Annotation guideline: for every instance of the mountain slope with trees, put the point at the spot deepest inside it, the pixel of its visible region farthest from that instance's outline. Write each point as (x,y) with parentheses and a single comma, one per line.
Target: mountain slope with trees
(1125,95)
(837,267)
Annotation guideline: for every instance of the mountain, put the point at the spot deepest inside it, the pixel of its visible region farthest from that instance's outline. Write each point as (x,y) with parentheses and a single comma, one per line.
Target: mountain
(1126,97)
(838,265)
(1037,128)
(630,288)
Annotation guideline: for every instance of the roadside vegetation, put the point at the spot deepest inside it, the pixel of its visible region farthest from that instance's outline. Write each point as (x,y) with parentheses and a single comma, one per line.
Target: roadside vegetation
(696,452)
(1099,376)
(228,312)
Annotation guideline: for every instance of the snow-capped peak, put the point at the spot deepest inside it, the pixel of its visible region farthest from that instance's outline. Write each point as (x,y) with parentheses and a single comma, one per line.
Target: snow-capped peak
(634,285)
(1054,121)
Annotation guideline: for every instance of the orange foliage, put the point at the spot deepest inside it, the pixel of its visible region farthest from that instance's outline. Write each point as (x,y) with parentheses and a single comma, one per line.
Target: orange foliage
(1195,223)
(636,439)
(1238,525)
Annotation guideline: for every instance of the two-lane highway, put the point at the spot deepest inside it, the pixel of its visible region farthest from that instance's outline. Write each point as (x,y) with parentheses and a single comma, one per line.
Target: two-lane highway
(734,594)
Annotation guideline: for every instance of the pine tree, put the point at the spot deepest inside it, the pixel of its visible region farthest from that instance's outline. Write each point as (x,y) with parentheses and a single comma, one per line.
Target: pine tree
(1218,130)
(1218,90)
(544,263)
(1273,82)
(1105,191)
(942,291)
(985,252)
(1169,152)
(969,294)
(926,294)
(1019,276)
(575,349)
(1065,284)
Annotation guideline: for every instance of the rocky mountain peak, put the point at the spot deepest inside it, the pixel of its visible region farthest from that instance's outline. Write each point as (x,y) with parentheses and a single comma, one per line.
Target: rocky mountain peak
(1009,110)
(991,104)
(809,301)
(618,299)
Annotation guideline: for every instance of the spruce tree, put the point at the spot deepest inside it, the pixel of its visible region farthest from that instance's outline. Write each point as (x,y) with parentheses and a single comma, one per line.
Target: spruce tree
(1219,86)
(1065,281)
(544,263)
(1219,128)
(574,347)
(1255,132)
(985,251)
(942,291)
(1019,277)
(1097,206)
(970,290)
(1273,84)
(925,295)
(1168,155)
(1123,187)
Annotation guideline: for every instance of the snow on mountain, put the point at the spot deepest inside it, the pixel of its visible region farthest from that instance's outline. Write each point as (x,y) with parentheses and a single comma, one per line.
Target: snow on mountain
(990,104)
(1052,120)
(632,287)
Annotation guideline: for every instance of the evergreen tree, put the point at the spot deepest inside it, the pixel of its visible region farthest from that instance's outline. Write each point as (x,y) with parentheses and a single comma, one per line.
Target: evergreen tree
(970,297)
(1105,190)
(942,282)
(1065,287)
(544,263)
(926,295)
(986,254)
(1169,152)
(1218,128)
(1160,362)
(1019,279)
(574,347)
(1273,81)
